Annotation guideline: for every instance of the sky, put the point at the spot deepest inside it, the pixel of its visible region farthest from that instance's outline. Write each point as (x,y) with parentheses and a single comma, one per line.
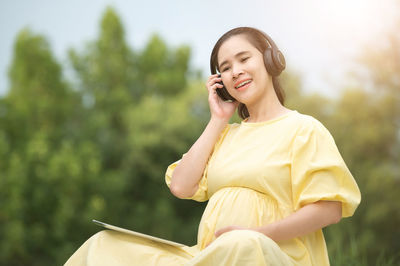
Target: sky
(320,39)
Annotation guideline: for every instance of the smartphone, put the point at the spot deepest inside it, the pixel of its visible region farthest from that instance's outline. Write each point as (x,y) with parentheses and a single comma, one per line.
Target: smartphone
(223,93)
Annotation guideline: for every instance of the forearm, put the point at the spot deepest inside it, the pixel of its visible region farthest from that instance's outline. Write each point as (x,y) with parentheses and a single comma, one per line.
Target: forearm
(308,219)
(189,171)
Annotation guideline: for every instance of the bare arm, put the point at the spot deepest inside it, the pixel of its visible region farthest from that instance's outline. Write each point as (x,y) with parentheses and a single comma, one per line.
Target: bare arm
(307,219)
(188,172)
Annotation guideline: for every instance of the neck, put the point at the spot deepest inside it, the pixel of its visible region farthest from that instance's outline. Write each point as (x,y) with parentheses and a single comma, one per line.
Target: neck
(266,108)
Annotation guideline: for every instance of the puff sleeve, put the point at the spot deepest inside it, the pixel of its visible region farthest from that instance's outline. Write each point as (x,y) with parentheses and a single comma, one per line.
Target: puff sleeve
(201,193)
(319,172)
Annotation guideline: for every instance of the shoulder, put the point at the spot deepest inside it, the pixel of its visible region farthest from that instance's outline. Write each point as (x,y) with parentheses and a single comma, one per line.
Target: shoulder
(305,120)
(306,125)
(292,125)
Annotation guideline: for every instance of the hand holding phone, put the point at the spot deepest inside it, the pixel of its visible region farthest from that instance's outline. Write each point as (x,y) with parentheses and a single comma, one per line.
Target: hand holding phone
(223,93)
(219,108)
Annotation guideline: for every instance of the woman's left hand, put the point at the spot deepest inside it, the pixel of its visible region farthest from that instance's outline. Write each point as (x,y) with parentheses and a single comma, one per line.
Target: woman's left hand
(229,228)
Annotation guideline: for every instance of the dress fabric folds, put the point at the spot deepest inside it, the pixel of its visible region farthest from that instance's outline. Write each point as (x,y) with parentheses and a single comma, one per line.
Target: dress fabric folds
(258,173)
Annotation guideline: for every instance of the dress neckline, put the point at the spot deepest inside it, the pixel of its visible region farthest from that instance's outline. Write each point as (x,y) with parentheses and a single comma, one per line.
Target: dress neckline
(253,124)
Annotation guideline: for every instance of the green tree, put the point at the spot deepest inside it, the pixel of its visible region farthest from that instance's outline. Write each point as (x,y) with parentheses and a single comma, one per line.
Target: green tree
(99,150)
(39,158)
(375,151)
(136,112)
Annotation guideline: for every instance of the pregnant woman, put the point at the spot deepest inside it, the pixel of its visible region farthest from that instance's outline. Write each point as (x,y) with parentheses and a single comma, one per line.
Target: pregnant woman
(272,181)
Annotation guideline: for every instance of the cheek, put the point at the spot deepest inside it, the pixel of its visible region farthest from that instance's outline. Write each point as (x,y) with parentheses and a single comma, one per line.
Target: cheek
(230,87)
(263,72)
(227,82)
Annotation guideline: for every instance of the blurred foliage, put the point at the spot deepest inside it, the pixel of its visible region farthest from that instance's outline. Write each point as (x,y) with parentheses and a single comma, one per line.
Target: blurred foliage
(97,146)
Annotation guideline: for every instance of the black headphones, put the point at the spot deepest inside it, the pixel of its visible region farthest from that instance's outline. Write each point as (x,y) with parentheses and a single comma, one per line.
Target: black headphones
(274,60)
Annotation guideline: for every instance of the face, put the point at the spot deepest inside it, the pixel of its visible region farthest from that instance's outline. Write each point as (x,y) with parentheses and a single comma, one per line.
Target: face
(242,69)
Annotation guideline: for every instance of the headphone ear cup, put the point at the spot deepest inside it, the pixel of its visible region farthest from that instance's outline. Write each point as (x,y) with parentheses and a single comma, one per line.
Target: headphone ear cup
(269,63)
(279,61)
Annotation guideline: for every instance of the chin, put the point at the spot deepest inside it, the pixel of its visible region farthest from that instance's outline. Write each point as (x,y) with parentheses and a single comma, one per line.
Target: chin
(246,99)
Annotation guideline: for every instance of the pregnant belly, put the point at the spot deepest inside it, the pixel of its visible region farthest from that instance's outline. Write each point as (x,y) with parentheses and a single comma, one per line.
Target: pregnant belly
(236,206)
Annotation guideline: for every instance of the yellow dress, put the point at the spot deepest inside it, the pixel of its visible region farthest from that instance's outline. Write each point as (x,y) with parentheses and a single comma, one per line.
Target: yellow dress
(258,173)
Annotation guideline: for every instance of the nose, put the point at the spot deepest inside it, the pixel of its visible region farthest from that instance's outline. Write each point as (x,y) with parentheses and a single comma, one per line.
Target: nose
(236,71)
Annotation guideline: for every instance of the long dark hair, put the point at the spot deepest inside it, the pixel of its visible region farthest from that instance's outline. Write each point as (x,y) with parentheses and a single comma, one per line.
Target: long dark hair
(258,40)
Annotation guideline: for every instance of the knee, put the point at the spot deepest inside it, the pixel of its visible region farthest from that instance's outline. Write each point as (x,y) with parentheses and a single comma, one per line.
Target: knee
(102,235)
(242,237)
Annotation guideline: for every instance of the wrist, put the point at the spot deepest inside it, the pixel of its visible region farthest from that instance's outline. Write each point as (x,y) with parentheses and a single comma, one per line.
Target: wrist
(267,230)
(219,121)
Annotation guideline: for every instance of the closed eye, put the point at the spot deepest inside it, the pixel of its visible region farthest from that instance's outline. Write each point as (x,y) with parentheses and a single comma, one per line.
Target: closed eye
(244,59)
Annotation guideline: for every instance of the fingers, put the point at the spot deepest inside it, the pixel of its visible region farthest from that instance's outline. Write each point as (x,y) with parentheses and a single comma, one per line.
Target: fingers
(212,77)
(212,83)
(218,233)
(223,230)
(227,229)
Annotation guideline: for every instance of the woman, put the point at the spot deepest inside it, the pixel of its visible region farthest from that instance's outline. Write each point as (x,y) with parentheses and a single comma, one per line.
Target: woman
(273,181)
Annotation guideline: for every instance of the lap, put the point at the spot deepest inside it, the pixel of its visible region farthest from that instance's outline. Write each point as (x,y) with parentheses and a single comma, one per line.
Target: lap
(237,247)
(114,248)
(242,247)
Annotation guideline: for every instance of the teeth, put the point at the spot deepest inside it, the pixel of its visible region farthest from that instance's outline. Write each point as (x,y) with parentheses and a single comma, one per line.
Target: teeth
(243,83)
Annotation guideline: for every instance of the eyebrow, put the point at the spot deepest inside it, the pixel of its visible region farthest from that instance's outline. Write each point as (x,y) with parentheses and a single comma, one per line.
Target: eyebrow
(236,55)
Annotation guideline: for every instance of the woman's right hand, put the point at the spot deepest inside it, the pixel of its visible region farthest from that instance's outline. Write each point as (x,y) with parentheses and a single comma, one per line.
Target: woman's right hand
(219,108)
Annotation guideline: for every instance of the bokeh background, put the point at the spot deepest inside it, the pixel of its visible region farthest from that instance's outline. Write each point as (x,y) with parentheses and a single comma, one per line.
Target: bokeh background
(97,98)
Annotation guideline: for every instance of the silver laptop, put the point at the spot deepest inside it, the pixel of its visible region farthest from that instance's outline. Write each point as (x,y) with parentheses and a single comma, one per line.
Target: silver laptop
(130,232)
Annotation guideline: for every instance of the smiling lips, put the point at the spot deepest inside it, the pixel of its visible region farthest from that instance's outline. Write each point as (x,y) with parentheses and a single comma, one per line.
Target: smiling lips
(241,84)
